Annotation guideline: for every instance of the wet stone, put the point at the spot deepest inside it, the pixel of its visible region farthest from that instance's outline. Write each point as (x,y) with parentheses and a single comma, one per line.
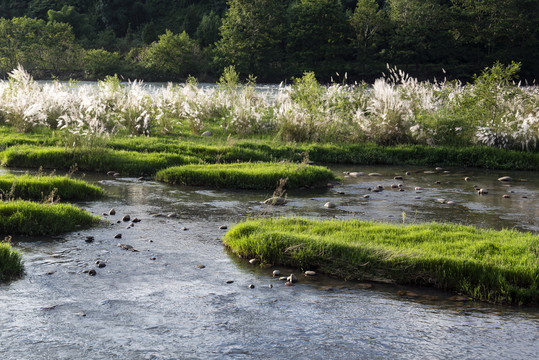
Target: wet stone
(230,281)
(330,205)
(482,191)
(398,177)
(118,236)
(111,173)
(153,258)
(467,178)
(89,239)
(101,264)
(172,215)
(183,228)
(438,169)
(136,220)
(116,174)
(282,278)
(375,174)
(276,273)
(366,196)
(506,196)
(126,218)
(200,266)
(92,272)
(251,286)
(505,178)
(292,278)
(356,174)
(223,227)
(408,173)
(310,273)
(275,201)
(112,212)
(253,261)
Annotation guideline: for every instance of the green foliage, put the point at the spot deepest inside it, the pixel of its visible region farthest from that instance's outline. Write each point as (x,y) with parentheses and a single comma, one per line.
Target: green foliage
(246,175)
(175,55)
(38,219)
(39,188)
(10,262)
(68,14)
(100,63)
(496,266)
(149,33)
(207,33)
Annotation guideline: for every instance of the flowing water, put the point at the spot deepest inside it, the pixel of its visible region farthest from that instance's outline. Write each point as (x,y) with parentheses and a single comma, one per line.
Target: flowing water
(160,303)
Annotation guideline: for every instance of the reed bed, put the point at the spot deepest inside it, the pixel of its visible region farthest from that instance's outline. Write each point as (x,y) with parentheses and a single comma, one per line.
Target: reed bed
(39,188)
(247,175)
(496,266)
(396,109)
(21,217)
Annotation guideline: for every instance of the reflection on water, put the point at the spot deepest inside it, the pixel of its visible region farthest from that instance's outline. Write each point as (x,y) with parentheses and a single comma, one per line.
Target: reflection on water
(156,303)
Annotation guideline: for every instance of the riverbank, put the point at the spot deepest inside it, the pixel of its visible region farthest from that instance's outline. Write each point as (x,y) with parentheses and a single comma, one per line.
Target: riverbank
(488,265)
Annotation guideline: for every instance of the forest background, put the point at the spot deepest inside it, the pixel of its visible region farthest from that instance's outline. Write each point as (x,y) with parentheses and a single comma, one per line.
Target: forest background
(165,40)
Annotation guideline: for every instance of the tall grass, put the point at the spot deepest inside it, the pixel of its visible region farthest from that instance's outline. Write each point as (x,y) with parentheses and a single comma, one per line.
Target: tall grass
(247,175)
(39,188)
(497,266)
(397,109)
(10,262)
(30,218)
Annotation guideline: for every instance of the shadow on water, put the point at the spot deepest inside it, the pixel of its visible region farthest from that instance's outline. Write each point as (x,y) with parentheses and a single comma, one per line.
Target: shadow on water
(175,292)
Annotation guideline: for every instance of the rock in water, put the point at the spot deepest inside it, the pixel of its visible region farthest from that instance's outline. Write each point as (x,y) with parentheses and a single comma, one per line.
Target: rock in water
(126,218)
(292,278)
(275,201)
(330,205)
(276,273)
(505,178)
(112,212)
(253,261)
(310,273)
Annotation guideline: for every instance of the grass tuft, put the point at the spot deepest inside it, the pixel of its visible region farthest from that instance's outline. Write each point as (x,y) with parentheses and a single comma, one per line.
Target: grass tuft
(36,219)
(10,262)
(38,188)
(246,175)
(495,266)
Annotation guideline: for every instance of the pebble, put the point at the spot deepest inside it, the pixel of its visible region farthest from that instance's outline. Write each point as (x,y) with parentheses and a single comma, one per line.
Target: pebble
(50,272)
(450,202)
(482,191)
(200,266)
(251,286)
(276,273)
(401,189)
(101,264)
(505,178)
(126,218)
(136,220)
(172,215)
(398,177)
(330,205)
(270,286)
(230,281)
(467,178)
(153,258)
(375,174)
(394,186)
(310,273)
(112,212)
(506,196)
(441,201)
(438,169)
(118,236)
(418,188)
(111,173)
(292,278)
(356,174)
(92,272)
(206,133)
(184,228)
(366,196)
(89,239)
(223,227)
(408,173)
(253,261)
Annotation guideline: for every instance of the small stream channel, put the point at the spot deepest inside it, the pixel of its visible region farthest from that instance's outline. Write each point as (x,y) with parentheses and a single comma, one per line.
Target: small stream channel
(158,303)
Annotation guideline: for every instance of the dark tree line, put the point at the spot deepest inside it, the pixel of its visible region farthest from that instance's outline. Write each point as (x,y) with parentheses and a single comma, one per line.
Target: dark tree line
(272,39)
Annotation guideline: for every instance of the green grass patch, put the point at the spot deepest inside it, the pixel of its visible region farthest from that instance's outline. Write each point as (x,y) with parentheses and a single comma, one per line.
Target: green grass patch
(27,187)
(246,175)
(496,266)
(10,262)
(92,159)
(35,219)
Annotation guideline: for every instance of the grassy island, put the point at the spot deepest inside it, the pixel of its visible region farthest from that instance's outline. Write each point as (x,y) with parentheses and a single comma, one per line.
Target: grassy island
(10,262)
(30,218)
(38,188)
(246,175)
(496,266)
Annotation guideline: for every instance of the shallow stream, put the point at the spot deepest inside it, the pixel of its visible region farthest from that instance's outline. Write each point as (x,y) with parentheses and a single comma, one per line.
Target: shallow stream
(161,303)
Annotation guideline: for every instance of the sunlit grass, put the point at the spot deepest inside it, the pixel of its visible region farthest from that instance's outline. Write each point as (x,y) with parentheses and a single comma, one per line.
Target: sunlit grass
(27,187)
(31,218)
(247,175)
(497,266)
